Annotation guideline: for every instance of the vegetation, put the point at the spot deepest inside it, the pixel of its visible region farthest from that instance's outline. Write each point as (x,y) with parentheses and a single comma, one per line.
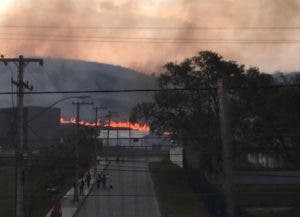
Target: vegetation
(175,196)
(7,191)
(48,175)
(268,197)
(262,118)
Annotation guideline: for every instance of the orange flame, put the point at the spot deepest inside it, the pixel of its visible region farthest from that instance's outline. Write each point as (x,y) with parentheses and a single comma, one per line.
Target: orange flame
(114,124)
(127,124)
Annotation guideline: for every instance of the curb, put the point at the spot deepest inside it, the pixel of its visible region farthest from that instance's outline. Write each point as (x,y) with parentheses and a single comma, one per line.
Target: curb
(154,190)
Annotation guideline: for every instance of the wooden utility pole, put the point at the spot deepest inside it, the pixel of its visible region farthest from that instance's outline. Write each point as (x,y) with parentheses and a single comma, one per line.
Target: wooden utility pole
(117,137)
(97,131)
(21,63)
(110,113)
(108,129)
(129,132)
(76,175)
(226,137)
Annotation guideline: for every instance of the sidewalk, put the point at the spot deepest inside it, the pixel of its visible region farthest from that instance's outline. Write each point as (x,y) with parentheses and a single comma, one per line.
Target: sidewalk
(68,206)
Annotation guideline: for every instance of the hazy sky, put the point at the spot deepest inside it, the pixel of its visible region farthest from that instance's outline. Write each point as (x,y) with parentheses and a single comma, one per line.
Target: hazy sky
(25,29)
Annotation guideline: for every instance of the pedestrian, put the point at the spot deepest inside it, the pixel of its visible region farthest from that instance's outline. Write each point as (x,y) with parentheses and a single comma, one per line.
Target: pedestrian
(98,181)
(109,181)
(56,211)
(81,187)
(98,159)
(104,181)
(88,178)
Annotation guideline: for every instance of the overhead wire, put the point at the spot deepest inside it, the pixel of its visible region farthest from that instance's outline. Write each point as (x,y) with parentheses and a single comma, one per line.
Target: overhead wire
(159,42)
(152,27)
(296,85)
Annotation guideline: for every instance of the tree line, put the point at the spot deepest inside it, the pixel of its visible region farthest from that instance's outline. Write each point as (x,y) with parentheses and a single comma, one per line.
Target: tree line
(263,117)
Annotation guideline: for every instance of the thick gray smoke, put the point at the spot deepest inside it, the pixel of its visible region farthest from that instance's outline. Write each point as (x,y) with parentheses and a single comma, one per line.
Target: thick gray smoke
(149,57)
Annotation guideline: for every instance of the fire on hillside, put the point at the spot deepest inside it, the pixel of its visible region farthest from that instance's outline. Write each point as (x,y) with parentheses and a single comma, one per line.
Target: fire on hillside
(113,124)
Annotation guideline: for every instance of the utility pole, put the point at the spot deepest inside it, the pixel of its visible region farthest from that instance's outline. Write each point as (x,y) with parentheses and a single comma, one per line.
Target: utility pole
(117,137)
(97,131)
(76,175)
(129,132)
(109,119)
(110,113)
(21,63)
(226,137)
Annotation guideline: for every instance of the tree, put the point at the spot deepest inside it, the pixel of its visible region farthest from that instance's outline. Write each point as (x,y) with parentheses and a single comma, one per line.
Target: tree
(192,114)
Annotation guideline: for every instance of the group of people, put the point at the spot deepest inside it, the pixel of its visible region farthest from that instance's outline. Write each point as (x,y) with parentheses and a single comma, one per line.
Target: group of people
(84,179)
(102,178)
(105,180)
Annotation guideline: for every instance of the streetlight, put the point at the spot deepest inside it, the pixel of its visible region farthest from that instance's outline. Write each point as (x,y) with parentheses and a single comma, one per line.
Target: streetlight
(78,104)
(55,103)
(76,196)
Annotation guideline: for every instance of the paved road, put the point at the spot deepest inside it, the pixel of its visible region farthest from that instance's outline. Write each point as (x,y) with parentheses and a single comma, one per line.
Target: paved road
(132,195)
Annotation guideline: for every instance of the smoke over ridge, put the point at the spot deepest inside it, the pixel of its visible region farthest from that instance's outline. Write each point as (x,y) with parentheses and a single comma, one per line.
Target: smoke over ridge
(117,46)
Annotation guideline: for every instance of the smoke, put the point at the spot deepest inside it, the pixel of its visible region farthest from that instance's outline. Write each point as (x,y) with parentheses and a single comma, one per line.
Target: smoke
(96,44)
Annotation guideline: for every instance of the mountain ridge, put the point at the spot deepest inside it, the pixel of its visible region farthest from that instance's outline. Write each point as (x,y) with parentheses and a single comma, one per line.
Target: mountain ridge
(64,74)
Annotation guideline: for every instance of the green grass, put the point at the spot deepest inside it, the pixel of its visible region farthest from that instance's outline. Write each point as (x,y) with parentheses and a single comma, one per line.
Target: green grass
(37,201)
(175,196)
(268,196)
(6,191)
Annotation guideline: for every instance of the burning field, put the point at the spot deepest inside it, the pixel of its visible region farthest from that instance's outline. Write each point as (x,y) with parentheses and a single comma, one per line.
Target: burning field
(112,124)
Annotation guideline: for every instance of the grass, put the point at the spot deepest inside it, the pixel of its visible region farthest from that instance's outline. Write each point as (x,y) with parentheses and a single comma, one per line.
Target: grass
(6,191)
(175,196)
(266,197)
(37,201)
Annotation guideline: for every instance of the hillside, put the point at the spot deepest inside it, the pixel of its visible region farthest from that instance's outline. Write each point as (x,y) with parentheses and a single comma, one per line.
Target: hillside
(62,74)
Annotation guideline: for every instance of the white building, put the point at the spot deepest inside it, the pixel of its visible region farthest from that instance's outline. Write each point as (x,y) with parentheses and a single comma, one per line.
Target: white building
(136,139)
(129,138)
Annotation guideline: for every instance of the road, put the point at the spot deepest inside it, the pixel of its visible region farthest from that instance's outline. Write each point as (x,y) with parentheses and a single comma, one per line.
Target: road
(132,194)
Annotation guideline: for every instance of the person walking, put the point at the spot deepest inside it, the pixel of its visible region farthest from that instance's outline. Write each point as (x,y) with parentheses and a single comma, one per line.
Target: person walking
(109,181)
(88,178)
(98,159)
(104,181)
(56,211)
(99,179)
(81,187)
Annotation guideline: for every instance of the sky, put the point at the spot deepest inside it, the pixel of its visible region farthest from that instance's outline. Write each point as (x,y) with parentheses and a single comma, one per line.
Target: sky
(146,34)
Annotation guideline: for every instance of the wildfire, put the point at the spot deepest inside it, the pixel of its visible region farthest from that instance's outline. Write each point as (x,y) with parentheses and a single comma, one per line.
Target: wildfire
(114,124)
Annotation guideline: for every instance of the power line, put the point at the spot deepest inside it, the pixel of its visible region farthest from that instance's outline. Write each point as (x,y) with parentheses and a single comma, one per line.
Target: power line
(153,27)
(159,42)
(142,39)
(148,90)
